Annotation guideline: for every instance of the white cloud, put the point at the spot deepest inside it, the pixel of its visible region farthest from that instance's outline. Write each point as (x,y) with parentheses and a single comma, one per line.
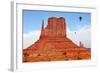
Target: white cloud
(30,38)
(83,35)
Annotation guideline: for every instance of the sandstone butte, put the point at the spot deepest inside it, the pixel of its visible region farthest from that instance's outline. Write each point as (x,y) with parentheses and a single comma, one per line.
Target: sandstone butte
(53,45)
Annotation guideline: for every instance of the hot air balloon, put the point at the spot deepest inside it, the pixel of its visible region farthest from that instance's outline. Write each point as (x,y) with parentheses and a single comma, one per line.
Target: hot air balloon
(75,32)
(80,18)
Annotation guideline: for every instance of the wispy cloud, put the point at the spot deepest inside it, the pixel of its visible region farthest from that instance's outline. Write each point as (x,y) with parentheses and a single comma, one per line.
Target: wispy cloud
(83,34)
(30,38)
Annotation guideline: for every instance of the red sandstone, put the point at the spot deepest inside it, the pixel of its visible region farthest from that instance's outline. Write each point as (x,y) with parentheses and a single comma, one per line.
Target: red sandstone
(53,44)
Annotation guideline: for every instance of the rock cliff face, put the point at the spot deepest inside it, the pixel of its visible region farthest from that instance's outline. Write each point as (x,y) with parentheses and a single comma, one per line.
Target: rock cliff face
(56,28)
(53,44)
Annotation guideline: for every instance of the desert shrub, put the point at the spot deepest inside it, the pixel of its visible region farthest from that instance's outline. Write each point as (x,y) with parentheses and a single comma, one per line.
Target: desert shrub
(64,53)
(39,55)
(79,58)
(26,55)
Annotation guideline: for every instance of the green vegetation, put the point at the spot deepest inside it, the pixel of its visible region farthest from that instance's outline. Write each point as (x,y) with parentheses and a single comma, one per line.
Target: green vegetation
(26,55)
(79,58)
(65,54)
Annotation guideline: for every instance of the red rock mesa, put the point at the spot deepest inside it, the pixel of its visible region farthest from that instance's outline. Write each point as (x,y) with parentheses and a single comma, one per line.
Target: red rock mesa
(53,44)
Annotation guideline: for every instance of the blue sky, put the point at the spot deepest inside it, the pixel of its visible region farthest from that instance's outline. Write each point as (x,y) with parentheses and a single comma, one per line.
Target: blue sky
(32,19)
